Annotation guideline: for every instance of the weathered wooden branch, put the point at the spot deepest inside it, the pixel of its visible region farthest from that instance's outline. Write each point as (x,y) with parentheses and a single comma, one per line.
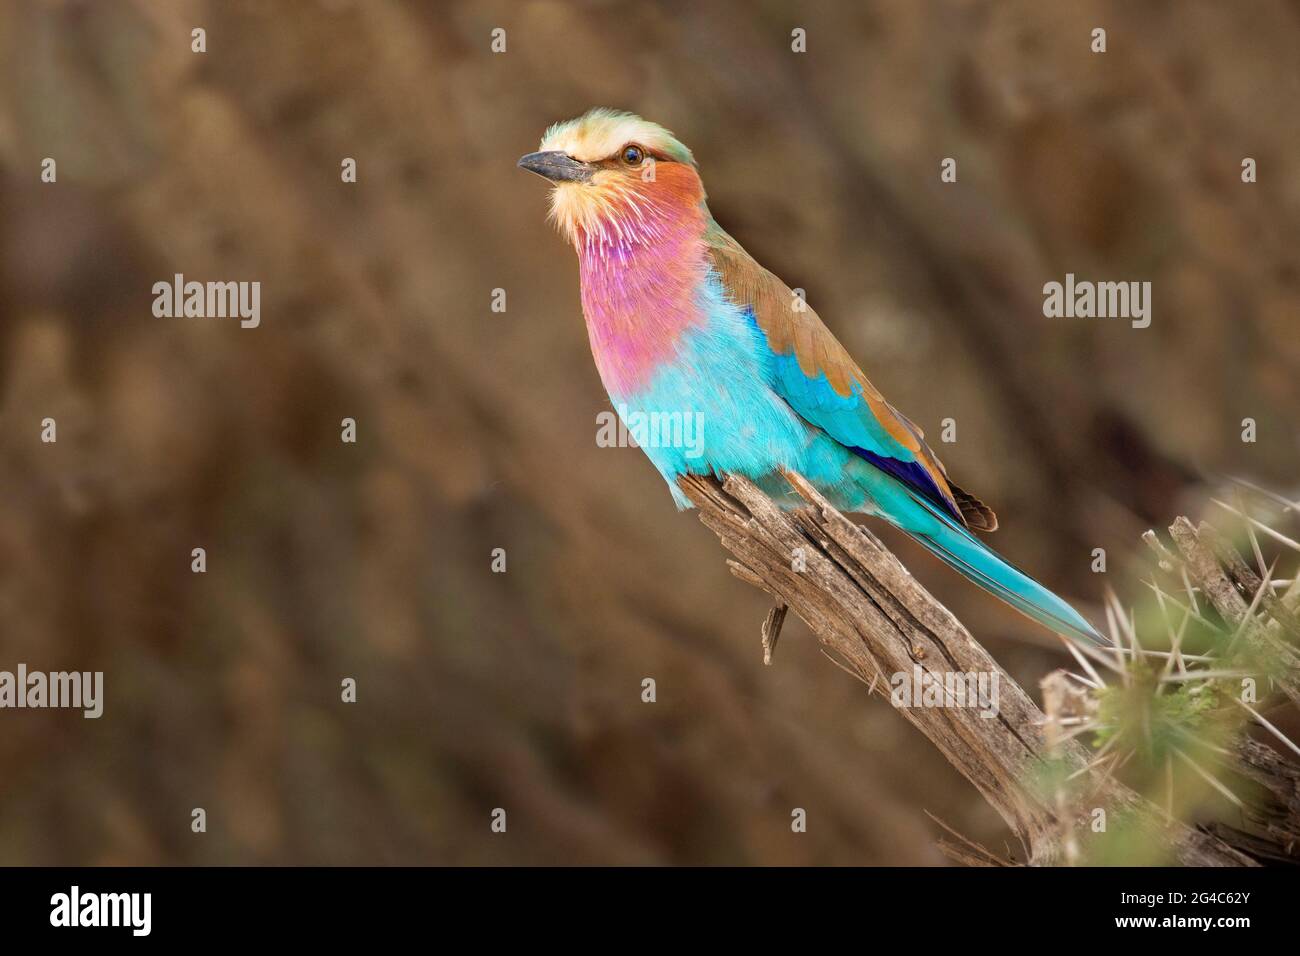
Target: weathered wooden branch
(868,610)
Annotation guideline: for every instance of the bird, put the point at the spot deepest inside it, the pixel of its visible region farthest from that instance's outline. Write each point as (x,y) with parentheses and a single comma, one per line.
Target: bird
(685,326)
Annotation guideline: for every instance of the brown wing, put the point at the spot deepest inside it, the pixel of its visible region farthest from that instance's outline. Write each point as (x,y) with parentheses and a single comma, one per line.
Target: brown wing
(873,425)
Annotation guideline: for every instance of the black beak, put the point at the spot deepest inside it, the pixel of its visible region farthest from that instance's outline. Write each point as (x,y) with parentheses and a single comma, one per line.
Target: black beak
(557,166)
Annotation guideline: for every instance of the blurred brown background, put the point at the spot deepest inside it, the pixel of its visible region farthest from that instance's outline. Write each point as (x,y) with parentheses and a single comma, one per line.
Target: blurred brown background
(522,690)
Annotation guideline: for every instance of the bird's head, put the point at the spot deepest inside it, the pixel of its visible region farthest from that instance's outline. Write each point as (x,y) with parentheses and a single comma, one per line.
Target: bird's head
(618,179)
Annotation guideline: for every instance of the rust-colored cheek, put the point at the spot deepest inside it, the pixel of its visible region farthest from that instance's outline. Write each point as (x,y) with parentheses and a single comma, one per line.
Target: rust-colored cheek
(674,183)
(622,198)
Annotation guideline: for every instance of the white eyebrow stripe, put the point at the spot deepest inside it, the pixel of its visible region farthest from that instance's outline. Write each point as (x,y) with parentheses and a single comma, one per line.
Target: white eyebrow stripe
(592,140)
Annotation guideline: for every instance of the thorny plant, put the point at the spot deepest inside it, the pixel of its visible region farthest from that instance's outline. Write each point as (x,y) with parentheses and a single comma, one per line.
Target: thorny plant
(1191,676)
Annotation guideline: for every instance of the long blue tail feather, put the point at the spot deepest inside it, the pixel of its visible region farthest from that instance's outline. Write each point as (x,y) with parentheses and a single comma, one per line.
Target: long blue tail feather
(973,559)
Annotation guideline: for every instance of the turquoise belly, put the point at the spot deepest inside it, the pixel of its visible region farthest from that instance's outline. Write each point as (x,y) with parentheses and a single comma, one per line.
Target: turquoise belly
(712,411)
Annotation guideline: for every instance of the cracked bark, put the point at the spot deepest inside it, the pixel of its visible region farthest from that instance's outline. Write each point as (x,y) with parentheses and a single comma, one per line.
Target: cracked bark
(869,611)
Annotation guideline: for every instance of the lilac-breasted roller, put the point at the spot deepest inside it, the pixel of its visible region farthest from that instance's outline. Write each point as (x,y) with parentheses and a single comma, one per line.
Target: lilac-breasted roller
(685,325)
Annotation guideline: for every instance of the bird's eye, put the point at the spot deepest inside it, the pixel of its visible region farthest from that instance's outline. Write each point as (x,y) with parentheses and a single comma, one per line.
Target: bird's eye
(633,154)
